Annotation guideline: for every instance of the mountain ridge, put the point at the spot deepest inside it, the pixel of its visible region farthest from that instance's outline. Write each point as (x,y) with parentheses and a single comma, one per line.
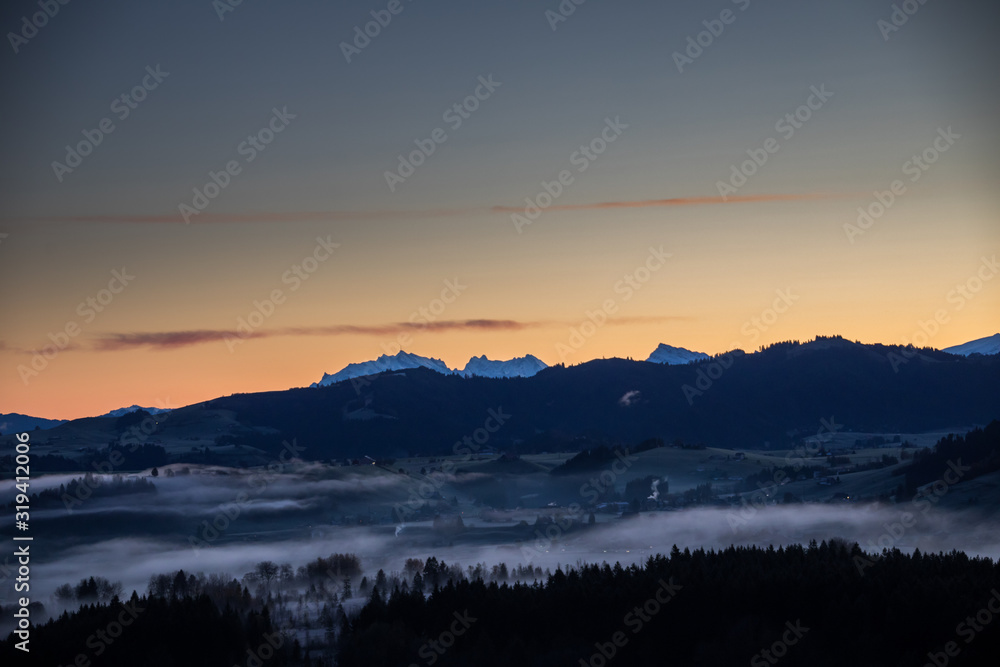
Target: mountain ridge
(668,354)
(15,422)
(766,400)
(481,366)
(987,345)
(121,412)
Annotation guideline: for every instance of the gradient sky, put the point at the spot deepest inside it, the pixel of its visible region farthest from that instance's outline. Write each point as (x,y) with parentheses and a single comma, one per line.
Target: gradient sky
(323,176)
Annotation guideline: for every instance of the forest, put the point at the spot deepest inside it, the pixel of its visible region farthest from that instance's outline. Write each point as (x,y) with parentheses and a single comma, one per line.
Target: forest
(726,607)
(821,604)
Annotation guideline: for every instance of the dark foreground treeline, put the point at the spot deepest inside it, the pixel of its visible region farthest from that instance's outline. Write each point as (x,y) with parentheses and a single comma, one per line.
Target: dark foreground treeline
(822,605)
(151,631)
(977,452)
(826,604)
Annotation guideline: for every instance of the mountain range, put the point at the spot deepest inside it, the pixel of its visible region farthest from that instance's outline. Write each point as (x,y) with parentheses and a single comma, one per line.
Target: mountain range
(482,367)
(769,399)
(18,423)
(526,366)
(529,365)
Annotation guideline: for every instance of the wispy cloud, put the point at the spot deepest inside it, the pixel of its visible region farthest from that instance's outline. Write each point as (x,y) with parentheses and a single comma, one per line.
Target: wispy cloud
(175,339)
(264,216)
(164,339)
(168,340)
(675,201)
(415,214)
(46,348)
(403,327)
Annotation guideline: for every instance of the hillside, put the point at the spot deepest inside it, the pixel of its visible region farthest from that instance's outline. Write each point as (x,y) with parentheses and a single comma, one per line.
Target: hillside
(768,400)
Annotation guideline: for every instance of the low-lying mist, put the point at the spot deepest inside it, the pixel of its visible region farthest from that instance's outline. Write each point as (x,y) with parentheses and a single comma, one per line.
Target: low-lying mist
(223,521)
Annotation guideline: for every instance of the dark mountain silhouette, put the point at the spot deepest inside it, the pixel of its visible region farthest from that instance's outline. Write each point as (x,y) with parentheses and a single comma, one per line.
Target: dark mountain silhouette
(769,398)
(18,423)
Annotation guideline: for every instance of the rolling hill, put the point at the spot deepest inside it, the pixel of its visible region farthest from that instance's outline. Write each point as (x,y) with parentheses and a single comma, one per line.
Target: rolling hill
(769,399)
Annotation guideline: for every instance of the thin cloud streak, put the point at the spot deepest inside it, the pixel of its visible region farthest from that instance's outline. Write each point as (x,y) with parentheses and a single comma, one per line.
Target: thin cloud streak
(166,340)
(417,214)
(170,340)
(676,201)
(267,216)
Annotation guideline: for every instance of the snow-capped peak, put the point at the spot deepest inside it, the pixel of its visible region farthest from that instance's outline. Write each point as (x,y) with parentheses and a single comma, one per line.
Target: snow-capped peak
(525,366)
(667,354)
(398,362)
(121,412)
(988,345)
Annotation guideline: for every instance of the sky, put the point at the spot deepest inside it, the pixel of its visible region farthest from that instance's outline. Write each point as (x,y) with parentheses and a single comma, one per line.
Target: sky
(279,194)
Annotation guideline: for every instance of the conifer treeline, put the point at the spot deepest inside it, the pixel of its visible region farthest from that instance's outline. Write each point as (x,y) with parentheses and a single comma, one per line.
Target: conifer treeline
(731,606)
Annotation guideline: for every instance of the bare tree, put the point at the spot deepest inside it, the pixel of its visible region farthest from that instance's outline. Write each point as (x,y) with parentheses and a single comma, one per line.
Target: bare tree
(266,570)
